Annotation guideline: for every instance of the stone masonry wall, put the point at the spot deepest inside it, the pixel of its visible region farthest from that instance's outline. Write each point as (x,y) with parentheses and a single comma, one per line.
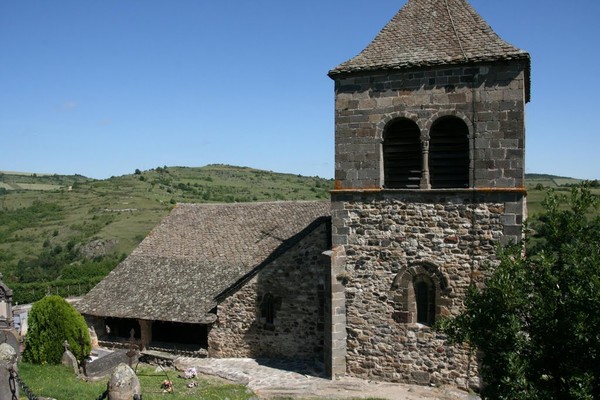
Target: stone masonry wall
(490,98)
(297,280)
(387,234)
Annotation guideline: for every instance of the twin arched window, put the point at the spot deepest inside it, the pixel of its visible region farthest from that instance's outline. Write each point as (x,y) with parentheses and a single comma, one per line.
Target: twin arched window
(440,163)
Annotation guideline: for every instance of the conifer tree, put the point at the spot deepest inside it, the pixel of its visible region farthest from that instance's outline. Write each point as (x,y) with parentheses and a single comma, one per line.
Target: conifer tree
(52,320)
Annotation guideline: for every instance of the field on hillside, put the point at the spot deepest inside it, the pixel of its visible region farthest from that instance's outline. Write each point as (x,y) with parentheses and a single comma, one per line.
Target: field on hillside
(539,184)
(69,231)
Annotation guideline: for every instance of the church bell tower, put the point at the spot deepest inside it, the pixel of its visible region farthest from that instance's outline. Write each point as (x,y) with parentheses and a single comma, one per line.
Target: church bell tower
(429,180)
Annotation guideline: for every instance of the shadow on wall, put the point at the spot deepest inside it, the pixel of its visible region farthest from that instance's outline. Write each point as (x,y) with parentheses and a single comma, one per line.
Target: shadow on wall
(278,310)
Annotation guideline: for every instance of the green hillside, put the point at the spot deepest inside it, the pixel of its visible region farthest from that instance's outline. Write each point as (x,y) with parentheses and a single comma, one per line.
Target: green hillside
(64,233)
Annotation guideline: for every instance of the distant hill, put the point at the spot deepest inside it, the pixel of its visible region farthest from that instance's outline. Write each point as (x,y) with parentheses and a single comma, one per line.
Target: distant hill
(33,181)
(538,184)
(533,180)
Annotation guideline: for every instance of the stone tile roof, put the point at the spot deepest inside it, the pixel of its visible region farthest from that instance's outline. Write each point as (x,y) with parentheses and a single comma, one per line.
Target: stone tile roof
(197,252)
(429,33)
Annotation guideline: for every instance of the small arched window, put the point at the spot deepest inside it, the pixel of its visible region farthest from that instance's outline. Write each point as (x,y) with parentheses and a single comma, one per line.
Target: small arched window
(267,309)
(424,299)
(402,156)
(449,154)
(417,294)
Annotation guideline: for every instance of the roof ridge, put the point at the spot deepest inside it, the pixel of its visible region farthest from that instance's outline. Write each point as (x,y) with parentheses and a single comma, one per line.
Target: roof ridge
(430,33)
(248,203)
(456,32)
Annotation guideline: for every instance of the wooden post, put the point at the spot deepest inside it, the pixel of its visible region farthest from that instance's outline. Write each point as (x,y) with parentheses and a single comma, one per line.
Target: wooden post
(145,333)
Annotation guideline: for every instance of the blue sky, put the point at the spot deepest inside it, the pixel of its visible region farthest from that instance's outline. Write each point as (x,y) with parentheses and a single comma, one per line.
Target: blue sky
(101,88)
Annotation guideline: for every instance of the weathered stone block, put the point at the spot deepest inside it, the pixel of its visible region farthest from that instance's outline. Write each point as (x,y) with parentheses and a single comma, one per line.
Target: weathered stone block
(124,384)
(420,378)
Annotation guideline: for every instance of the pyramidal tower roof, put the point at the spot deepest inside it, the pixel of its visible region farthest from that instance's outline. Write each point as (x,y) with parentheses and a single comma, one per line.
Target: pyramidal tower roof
(430,33)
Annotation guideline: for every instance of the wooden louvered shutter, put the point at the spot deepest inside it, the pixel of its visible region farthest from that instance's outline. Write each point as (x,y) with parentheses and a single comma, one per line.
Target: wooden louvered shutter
(402,157)
(449,154)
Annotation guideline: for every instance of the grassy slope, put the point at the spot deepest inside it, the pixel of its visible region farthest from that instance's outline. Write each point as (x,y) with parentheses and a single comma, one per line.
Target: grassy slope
(126,208)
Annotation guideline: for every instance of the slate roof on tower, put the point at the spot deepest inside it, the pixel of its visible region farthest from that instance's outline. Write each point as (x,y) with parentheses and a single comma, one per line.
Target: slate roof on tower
(195,254)
(430,33)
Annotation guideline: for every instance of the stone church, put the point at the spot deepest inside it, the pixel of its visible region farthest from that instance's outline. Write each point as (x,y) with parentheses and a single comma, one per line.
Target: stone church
(429,180)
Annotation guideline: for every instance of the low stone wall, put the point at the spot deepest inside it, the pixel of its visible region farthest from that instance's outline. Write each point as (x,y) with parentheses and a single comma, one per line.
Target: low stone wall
(296,282)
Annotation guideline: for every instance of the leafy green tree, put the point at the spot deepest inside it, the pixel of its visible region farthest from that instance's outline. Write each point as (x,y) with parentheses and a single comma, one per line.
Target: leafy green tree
(536,322)
(53,320)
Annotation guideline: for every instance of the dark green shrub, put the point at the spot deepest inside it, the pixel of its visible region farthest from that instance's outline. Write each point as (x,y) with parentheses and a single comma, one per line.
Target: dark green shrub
(52,321)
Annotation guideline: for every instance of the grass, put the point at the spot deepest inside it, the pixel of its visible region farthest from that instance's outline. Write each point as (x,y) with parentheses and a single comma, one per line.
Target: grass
(535,197)
(59,382)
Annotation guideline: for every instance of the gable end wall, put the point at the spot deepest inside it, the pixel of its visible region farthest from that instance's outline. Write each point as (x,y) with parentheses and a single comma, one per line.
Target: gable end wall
(298,279)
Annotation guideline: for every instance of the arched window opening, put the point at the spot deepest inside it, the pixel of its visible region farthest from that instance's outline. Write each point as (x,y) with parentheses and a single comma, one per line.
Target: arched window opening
(267,309)
(402,156)
(425,300)
(418,295)
(449,154)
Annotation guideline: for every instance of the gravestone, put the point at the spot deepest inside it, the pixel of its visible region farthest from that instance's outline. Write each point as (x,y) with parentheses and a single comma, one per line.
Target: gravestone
(6,316)
(103,365)
(8,361)
(68,359)
(124,384)
(8,334)
(12,338)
